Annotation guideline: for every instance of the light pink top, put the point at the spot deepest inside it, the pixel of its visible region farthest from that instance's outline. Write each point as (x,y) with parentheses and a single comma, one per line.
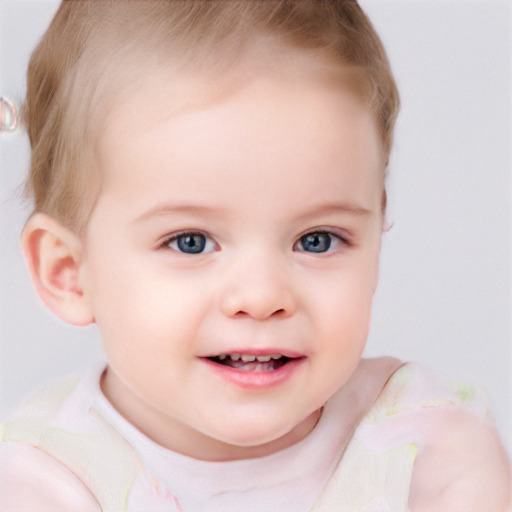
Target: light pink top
(67,447)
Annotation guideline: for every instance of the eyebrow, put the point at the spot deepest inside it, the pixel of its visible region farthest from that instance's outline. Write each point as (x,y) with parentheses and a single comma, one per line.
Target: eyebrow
(166,209)
(340,208)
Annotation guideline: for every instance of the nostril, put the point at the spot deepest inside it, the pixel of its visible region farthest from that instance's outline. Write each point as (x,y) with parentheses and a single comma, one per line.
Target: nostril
(241,314)
(277,313)
(257,302)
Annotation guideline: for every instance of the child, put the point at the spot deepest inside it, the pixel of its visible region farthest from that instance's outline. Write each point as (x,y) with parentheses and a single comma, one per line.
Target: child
(218,217)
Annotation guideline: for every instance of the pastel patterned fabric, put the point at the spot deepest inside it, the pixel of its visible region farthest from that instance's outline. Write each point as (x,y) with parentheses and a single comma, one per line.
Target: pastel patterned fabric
(63,426)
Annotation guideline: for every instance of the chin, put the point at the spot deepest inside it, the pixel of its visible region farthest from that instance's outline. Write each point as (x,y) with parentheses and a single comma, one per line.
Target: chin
(252,438)
(264,437)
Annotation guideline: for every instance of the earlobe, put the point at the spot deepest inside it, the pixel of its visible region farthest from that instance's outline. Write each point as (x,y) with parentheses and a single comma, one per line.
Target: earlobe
(53,254)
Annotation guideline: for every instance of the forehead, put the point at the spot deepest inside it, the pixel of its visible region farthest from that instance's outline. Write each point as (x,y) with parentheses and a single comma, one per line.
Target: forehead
(166,92)
(258,125)
(178,84)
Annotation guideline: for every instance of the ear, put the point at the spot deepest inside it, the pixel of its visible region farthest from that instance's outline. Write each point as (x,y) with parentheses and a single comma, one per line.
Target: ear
(53,254)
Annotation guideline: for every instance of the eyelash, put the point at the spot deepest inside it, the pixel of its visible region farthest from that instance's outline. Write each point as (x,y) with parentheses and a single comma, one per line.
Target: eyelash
(325,245)
(179,236)
(321,239)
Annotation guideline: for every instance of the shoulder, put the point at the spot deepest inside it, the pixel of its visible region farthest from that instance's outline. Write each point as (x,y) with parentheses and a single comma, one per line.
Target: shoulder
(36,442)
(461,462)
(62,405)
(413,387)
(60,452)
(462,465)
(37,412)
(32,480)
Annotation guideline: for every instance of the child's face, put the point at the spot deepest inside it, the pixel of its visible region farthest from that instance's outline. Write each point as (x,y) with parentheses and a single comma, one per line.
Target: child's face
(248,224)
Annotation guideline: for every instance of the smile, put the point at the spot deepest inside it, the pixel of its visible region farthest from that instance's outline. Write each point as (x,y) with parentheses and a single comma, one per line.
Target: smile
(258,370)
(251,362)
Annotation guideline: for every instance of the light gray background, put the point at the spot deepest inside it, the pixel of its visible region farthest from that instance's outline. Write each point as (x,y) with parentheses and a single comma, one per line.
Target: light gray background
(445,291)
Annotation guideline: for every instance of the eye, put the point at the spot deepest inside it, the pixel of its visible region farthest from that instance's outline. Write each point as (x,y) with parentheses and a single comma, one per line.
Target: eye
(191,243)
(318,242)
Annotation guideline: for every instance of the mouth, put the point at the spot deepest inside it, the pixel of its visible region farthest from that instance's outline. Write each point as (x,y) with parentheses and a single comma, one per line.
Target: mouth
(252,362)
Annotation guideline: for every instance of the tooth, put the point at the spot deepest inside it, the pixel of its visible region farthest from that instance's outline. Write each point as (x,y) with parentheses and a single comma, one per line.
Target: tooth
(263,359)
(235,357)
(275,356)
(246,358)
(222,357)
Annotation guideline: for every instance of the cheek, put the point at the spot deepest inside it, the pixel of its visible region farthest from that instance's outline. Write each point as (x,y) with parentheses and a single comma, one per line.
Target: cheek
(350,289)
(343,312)
(138,306)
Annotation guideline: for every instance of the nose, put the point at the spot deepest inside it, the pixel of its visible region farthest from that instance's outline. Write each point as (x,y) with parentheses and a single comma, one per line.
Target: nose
(258,288)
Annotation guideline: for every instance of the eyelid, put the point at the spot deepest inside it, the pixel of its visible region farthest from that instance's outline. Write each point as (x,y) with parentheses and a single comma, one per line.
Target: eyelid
(340,233)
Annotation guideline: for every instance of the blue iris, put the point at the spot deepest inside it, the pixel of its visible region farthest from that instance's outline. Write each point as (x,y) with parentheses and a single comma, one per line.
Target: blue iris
(316,242)
(191,243)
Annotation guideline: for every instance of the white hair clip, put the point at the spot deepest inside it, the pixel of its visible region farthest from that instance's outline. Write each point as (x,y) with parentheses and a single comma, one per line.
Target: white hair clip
(9,119)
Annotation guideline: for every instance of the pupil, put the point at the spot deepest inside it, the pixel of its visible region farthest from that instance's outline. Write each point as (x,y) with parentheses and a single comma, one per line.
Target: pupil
(316,242)
(192,244)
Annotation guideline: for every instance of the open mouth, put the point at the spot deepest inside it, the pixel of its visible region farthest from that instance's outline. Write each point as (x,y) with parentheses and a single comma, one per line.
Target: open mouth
(251,362)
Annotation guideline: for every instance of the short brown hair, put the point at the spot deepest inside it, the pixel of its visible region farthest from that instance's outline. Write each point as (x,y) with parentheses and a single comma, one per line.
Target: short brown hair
(73,75)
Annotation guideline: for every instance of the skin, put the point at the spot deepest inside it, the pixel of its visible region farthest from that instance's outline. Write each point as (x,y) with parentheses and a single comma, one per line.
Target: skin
(253,170)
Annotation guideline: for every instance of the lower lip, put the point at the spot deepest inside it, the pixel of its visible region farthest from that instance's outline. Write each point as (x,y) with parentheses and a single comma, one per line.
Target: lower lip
(257,379)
